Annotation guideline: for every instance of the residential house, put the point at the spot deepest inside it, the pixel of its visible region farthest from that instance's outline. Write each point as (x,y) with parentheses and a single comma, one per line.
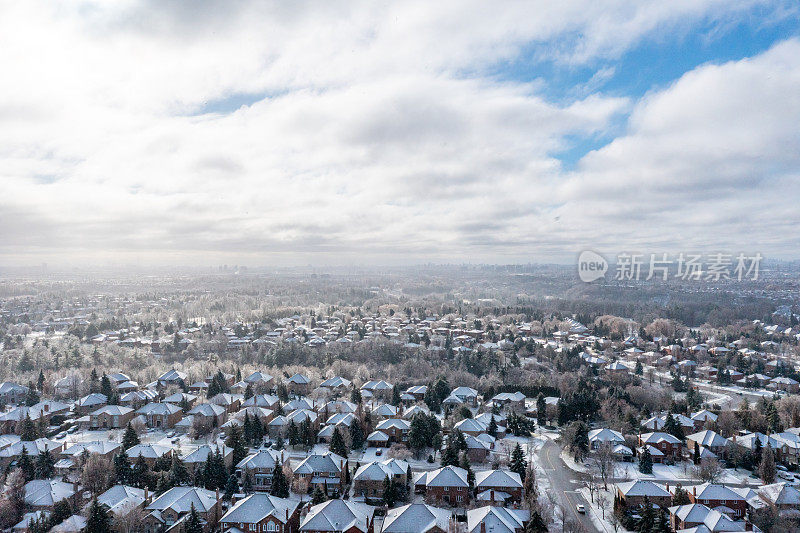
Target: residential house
(169,511)
(490,519)
(501,486)
(448,484)
(263,513)
(418,518)
(111,417)
(339,516)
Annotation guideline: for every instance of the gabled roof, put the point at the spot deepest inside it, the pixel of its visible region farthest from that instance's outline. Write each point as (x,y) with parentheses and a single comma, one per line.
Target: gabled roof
(708,438)
(497,478)
(256,507)
(496,519)
(642,488)
(416,518)
(180,499)
(261,459)
(158,408)
(338,515)
(709,491)
(448,476)
(324,462)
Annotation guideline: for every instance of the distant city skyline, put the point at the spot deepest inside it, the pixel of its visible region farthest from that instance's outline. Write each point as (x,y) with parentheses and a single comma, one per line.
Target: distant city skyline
(201,134)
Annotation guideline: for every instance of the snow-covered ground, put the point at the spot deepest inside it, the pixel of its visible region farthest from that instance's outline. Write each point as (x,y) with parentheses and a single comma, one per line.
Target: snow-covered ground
(601,518)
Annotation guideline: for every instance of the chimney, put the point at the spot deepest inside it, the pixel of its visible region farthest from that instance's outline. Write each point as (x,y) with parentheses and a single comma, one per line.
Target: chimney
(146,495)
(694,491)
(667,486)
(483,526)
(287,515)
(216,494)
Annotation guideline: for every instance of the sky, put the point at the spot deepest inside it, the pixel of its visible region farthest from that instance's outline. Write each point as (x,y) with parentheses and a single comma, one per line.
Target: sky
(289,133)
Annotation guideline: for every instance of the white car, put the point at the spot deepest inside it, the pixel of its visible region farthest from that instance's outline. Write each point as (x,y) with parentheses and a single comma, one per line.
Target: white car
(581,508)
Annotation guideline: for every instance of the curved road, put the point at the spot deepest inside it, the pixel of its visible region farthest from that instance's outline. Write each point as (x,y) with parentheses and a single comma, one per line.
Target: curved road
(565,482)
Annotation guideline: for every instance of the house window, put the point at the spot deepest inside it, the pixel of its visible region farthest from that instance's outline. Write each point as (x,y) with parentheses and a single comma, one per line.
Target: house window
(446,489)
(252,527)
(272,526)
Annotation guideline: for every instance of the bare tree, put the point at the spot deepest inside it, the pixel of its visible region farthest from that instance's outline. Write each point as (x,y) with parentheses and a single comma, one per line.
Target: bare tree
(603,462)
(97,474)
(131,523)
(709,470)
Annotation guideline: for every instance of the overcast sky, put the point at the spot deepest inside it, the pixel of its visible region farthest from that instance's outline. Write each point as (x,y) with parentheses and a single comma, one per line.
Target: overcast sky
(379,132)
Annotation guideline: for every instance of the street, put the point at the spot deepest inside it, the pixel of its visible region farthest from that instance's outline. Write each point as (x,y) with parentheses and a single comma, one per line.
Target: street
(564,483)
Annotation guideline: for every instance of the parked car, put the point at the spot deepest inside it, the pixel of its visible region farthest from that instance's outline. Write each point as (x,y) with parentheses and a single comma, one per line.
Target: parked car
(581,508)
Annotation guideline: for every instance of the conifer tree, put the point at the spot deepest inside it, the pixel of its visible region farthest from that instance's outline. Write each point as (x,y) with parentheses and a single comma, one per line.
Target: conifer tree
(337,443)
(280,485)
(130,438)
(98,520)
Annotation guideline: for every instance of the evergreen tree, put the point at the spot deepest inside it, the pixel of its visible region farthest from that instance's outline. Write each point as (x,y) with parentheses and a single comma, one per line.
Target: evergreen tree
(395,395)
(193,524)
(672,427)
(105,387)
(355,395)
(28,431)
(234,441)
(178,475)
(140,473)
(231,487)
(258,431)
(492,429)
(318,496)
(646,462)
(94,382)
(356,435)
(681,496)
(278,444)
(536,524)
(338,445)
(647,517)
(40,381)
(98,520)
(465,464)
(121,467)
(32,397)
(450,454)
(293,434)
(389,492)
(518,463)
(247,428)
(766,469)
(247,484)
(541,410)
(25,464)
(130,438)
(280,485)
(44,465)
(249,392)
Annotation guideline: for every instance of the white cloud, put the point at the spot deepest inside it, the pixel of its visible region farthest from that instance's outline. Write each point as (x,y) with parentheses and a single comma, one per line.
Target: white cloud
(370,141)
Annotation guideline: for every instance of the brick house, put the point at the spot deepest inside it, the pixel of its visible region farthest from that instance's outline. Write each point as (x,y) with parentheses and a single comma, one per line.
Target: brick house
(417,518)
(326,471)
(350,517)
(448,485)
(669,445)
(263,513)
(161,415)
(500,481)
(369,478)
(633,493)
(713,496)
(260,466)
(111,417)
(169,511)
(395,428)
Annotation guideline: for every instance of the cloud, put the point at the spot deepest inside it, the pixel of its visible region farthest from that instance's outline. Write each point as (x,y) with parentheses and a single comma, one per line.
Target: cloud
(365,131)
